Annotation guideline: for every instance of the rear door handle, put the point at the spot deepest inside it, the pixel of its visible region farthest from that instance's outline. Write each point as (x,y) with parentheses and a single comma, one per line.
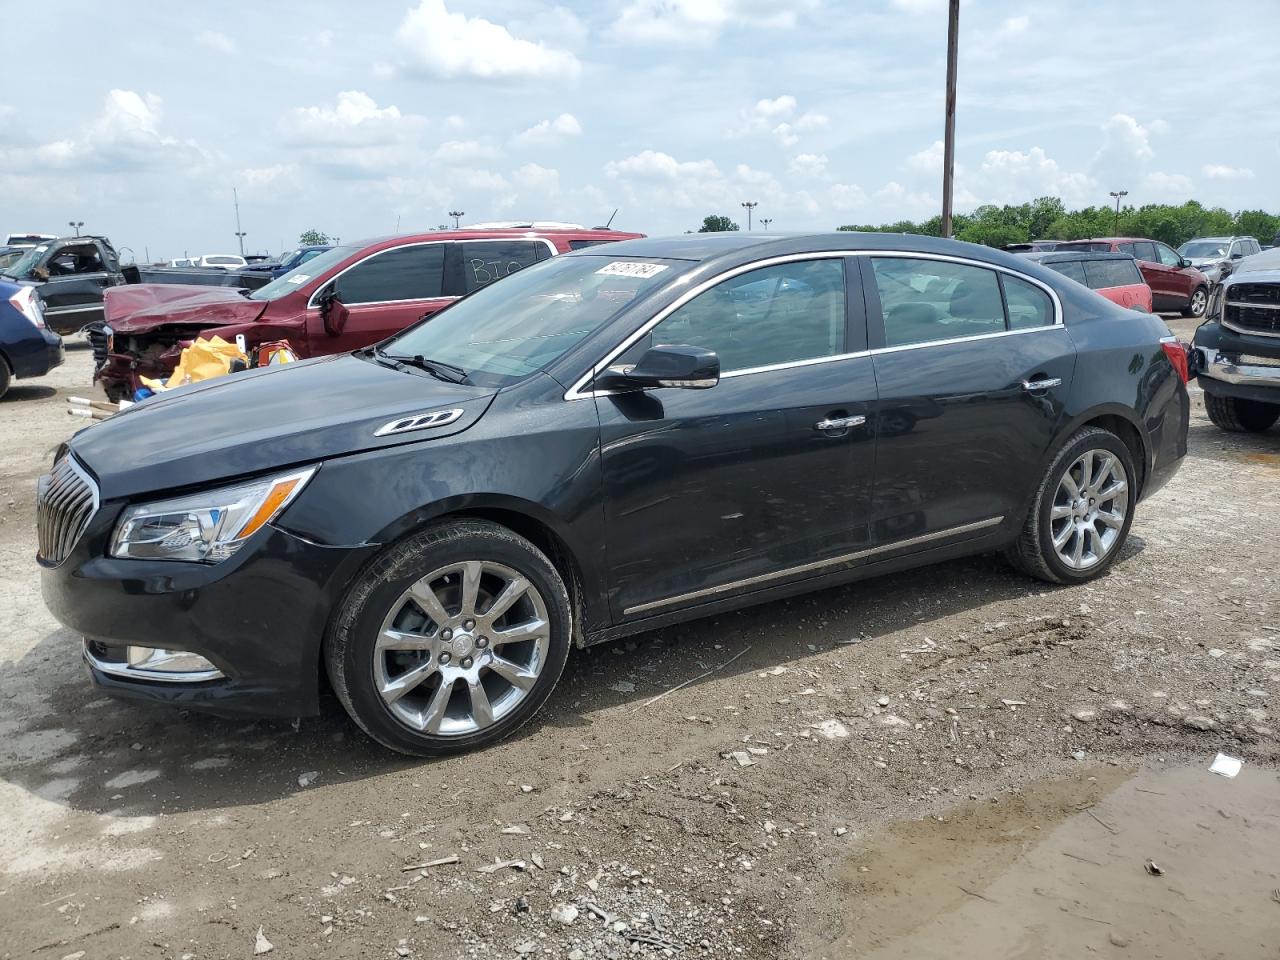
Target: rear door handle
(1034,386)
(840,423)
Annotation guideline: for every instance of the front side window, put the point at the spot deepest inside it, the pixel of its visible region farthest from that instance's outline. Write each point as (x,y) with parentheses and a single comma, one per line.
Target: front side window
(402,273)
(779,314)
(925,300)
(1167,256)
(72,260)
(487,261)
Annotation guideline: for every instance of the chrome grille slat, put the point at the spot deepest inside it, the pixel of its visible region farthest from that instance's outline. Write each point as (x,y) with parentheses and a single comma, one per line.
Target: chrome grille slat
(66,500)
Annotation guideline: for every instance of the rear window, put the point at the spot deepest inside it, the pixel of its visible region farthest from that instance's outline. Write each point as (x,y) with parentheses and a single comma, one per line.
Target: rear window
(1093,246)
(582,244)
(1111,273)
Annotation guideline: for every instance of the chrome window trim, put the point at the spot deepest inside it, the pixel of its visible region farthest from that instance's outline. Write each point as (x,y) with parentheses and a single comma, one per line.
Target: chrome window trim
(578,392)
(311,301)
(1251,306)
(816,565)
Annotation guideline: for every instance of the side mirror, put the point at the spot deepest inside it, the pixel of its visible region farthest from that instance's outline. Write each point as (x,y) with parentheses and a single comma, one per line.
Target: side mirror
(334,313)
(1184,262)
(678,365)
(1237,255)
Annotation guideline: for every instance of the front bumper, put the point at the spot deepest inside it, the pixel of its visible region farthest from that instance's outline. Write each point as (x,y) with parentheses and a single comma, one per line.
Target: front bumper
(259,618)
(1237,375)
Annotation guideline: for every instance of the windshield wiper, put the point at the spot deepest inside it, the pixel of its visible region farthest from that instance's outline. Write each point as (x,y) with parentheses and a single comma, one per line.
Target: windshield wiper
(437,368)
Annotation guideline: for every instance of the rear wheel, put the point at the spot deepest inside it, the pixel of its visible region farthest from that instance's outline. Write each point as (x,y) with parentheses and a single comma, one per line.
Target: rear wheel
(1196,305)
(5,377)
(1240,416)
(452,640)
(1080,518)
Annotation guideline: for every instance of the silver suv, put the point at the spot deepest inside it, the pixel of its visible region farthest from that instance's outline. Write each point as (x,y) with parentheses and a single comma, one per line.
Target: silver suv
(1214,256)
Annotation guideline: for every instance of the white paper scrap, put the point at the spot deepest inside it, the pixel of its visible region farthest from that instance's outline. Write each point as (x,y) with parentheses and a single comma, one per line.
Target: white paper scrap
(1225,766)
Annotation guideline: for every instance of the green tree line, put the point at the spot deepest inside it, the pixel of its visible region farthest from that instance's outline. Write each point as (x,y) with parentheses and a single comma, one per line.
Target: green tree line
(1047,218)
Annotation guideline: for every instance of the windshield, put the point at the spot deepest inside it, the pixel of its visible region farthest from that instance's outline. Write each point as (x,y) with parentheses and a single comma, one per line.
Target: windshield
(1203,248)
(291,281)
(22,266)
(508,330)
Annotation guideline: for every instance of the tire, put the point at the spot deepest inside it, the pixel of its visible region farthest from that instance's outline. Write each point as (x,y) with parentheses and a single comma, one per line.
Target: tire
(1196,305)
(1035,553)
(6,377)
(427,684)
(1240,416)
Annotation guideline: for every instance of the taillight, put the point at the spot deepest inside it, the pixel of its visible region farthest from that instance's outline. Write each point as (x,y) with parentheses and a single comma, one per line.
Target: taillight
(24,301)
(1176,351)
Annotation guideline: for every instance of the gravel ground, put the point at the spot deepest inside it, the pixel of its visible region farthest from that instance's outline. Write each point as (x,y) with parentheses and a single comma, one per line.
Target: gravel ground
(749,814)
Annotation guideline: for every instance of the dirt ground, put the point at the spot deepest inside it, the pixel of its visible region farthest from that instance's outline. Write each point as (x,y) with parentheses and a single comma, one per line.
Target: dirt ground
(951,762)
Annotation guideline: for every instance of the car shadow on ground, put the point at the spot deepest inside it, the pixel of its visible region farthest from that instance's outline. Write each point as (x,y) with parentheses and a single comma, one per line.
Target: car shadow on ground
(22,392)
(1207,442)
(96,754)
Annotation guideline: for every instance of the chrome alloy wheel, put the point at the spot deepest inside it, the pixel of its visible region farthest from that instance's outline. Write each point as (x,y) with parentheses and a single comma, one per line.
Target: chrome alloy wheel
(461,648)
(1199,300)
(1089,509)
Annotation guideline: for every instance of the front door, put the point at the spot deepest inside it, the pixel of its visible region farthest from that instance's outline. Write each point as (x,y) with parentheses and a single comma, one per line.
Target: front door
(1178,283)
(72,295)
(972,368)
(716,492)
(383,294)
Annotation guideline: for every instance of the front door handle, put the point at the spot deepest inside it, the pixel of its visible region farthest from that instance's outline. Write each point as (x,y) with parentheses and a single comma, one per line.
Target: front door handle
(839,423)
(1035,386)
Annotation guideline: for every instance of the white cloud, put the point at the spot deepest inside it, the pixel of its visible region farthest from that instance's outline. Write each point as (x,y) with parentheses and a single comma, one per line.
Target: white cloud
(780,118)
(216,41)
(1220,171)
(354,118)
(701,21)
(546,132)
(1167,186)
(1015,26)
(466,151)
(846,196)
(536,179)
(808,165)
(782,106)
(929,160)
(438,43)
(124,136)
(1125,153)
(267,176)
(1012,176)
(657,165)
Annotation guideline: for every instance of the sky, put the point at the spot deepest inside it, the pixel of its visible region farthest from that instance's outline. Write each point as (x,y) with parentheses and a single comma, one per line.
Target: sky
(359,119)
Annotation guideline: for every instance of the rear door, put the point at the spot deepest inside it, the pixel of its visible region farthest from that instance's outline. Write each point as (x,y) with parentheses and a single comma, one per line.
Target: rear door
(1179,281)
(762,478)
(383,293)
(972,365)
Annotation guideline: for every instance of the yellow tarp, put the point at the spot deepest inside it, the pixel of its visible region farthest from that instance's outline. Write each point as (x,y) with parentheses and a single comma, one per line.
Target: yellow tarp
(203,360)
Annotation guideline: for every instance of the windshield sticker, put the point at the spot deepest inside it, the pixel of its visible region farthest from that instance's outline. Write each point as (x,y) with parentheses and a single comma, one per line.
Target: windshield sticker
(299,278)
(629,268)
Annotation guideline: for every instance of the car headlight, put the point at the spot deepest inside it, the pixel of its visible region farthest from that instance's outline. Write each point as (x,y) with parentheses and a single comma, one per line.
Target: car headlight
(205,527)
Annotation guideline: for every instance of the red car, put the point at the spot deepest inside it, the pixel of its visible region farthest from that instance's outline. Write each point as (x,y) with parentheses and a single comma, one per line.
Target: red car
(345,298)
(1114,275)
(1174,283)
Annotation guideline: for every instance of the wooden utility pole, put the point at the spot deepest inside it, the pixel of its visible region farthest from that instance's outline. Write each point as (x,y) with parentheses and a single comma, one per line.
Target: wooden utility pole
(949,136)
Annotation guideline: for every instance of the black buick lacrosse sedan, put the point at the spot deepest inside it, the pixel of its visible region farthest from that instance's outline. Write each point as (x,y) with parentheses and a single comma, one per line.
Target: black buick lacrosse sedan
(606,442)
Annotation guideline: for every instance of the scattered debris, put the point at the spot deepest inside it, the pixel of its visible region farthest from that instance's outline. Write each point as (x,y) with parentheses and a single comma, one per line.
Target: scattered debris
(518,829)
(1153,868)
(261,944)
(564,913)
(308,778)
(442,861)
(679,686)
(831,730)
(623,686)
(1225,766)
(502,865)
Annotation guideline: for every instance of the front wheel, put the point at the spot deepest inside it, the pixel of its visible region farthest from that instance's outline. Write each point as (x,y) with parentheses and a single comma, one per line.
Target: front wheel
(1082,511)
(1196,305)
(1240,416)
(451,640)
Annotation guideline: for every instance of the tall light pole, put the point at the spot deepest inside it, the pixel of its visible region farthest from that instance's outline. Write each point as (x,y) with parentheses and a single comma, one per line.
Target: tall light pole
(766,221)
(949,127)
(75,225)
(749,205)
(240,234)
(457,217)
(1118,194)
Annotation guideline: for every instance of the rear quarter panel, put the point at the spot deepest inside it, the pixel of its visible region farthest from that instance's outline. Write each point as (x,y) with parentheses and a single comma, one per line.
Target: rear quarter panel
(1130,295)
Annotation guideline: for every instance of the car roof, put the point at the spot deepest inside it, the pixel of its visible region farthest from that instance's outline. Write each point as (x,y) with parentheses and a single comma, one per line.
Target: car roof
(707,246)
(1063,256)
(514,233)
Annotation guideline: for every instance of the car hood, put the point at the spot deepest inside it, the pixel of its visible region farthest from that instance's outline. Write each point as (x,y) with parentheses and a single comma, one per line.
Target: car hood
(266,419)
(135,308)
(1254,276)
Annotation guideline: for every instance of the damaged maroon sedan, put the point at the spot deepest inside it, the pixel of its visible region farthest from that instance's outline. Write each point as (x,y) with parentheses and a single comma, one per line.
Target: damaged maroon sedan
(348,297)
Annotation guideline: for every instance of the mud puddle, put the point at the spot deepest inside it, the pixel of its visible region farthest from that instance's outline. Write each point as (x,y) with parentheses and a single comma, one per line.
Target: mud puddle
(1059,871)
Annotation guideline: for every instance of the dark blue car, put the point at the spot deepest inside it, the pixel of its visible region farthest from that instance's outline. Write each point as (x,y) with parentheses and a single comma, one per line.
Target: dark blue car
(296,258)
(27,347)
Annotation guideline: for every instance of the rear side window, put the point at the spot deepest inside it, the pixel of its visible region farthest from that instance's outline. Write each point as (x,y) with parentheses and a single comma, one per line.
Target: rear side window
(779,314)
(1029,306)
(485,262)
(1091,246)
(1144,250)
(925,300)
(581,244)
(1111,273)
(1070,268)
(403,273)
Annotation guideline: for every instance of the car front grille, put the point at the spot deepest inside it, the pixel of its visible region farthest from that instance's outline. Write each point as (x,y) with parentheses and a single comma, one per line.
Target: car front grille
(66,499)
(1268,293)
(1248,318)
